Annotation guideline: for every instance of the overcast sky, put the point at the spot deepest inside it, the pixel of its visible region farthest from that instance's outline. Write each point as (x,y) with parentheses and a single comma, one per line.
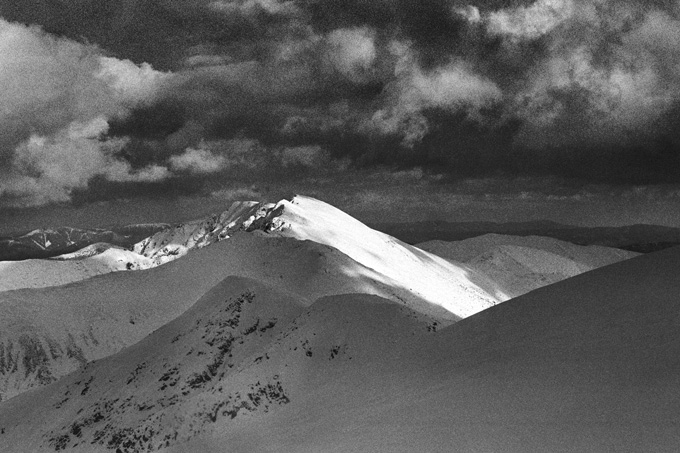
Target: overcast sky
(157,110)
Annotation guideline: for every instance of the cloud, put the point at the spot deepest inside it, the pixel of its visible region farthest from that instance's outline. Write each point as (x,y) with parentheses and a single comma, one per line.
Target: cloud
(529,22)
(306,156)
(273,90)
(131,84)
(352,52)
(251,7)
(238,193)
(120,171)
(599,91)
(58,97)
(49,168)
(197,161)
(453,87)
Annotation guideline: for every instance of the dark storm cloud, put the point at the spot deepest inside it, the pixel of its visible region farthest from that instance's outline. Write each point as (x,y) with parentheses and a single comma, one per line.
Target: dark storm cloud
(586,89)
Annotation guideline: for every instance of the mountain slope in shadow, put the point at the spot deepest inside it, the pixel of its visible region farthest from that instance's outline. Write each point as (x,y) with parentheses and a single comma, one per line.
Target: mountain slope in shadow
(587,364)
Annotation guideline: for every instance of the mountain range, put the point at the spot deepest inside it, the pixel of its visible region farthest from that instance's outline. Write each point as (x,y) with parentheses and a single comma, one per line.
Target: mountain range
(46,243)
(636,238)
(519,264)
(293,327)
(586,364)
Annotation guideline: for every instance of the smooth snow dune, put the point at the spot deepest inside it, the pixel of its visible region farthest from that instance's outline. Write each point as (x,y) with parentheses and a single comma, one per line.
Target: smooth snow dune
(589,364)
(467,249)
(517,265)
(37,273)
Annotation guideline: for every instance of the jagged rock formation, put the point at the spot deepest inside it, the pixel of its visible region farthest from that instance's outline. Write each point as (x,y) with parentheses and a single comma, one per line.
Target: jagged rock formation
(175,242)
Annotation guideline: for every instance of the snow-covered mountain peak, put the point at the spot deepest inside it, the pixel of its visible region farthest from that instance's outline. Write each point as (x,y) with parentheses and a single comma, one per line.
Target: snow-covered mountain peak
(452,286)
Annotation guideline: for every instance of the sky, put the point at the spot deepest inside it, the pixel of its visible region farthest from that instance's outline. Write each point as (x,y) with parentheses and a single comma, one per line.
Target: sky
(130,111)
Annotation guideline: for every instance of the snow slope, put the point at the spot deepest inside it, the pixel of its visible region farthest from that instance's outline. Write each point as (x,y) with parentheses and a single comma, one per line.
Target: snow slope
(500,272)
(589,364)
(46,333)
(96,259)
(455,287)
(518,264)
(303,246)
(162,247)
(244,350)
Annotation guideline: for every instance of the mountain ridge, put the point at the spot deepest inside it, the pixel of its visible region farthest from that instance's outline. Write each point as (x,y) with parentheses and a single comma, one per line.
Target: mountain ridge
(587,364)
(48,332)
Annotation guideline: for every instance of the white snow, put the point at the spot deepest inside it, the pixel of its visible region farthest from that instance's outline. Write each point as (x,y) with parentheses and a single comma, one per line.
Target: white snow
(517,265)
(452,286)
(589,364)
(71,268)
(303,247)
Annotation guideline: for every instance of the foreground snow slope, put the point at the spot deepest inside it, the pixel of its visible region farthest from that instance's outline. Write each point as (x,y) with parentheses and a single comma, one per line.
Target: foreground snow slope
(518,264)
(243,351)
(589,364)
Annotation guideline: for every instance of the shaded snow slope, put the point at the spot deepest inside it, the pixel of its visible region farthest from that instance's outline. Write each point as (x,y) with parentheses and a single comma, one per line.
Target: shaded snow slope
(589,364)
(517,265)
(242,352)
(93,260)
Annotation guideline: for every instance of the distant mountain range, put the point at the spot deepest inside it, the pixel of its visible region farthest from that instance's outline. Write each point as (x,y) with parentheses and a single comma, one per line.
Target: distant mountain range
(519,264)
(46,243)
(636,238)
(291,326)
